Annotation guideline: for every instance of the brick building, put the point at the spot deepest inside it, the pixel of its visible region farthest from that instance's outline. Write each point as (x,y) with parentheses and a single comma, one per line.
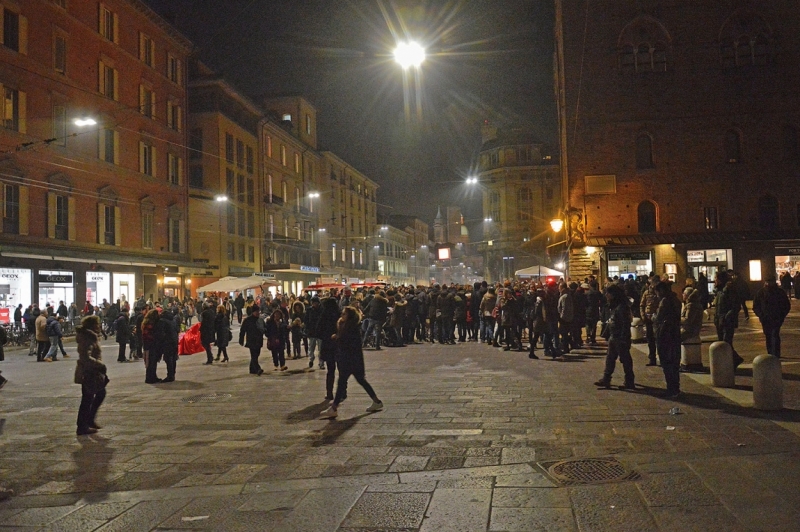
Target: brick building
(679,135)
(96,210)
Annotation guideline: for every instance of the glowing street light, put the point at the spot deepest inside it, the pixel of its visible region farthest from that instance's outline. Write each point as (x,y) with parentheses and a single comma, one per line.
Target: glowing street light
(487,220)
(557,224)
(220,197)
(409,54)
(313,195)
(472,180)
(83,122)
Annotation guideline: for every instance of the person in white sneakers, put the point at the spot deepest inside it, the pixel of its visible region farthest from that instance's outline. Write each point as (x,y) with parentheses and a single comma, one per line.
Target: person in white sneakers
(350,361)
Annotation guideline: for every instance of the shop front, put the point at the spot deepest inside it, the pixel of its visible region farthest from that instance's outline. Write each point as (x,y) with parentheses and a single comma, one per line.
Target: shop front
(15,289)
(627,263)
(787,259)
(55,286)
(708,262)
(292,278)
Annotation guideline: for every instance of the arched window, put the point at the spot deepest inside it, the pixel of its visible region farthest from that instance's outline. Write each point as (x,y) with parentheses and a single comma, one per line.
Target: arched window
(768,212)
(745,40)
(644,152)
(791,143)
(647,217)
(643,46)
(733,146)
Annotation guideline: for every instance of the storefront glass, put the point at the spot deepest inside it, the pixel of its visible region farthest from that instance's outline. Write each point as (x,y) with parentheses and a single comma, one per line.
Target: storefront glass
(708,262)
(15,289)
(172,286)
(787,260)
(55,286)
(98,287)
(625,263)
(125,287)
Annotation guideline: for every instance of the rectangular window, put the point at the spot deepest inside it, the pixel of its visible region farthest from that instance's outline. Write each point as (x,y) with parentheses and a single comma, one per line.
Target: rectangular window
(147,101)
(297,163)
(229,184)
(174,235)
(241,219)
(147,49)
(283,155)
(333,253)
(174,116)
(174,169)
(196,176)
(251,224)
(174,69)
(231,251)
(239,153)
(11,109)
(108,81)
(147,230)
(231,219)
(107,145)
(250,165)
(240,189)
(251,192)
(62,218)
(241,252)
(11,209)
(60,125)
(196,144)
(269,146)
(710,218)
(147,159)
(11,30)
(308,124)
(60,54)
(251,254)
(110,224)
(108,24)
(229,148)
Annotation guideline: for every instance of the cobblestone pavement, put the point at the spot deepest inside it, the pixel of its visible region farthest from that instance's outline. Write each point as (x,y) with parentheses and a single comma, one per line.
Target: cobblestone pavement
(465,443)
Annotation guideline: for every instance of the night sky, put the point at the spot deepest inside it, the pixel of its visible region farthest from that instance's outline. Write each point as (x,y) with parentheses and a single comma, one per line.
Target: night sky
(487,60)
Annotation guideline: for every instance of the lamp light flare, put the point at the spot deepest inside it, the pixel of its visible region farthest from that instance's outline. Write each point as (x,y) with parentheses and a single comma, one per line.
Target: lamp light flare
(409,54)
(557,224)
(82,122)
(220,197)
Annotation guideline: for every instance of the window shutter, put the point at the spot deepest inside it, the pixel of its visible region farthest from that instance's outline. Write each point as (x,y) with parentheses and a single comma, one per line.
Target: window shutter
(117,227)
(101,79)
(169,114)
(71,230)
(2,25)
(180,170)
(101,223)
(116,146)
(116,82)
(141,156)
(23,112)
(155,166)
(179,125)
(182,231)
(101,144)
(153,105)
(141,99)
(24,207)
(101,22)
(141,46)
(51,215)
(179,77)
(23,35)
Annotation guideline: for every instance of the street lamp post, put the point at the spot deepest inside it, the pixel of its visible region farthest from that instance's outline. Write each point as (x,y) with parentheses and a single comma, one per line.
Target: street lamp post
(411,55)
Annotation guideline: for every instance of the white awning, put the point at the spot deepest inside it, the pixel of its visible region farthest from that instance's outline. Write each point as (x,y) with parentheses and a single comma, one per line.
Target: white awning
(237,284)
(538,271)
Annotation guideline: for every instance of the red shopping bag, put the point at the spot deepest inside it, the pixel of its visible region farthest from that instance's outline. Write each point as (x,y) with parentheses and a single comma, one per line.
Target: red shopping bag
(189,342)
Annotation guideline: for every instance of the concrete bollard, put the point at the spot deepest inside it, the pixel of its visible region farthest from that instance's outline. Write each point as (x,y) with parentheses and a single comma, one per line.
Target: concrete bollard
(720,356)
(767,383)
(691,355)
(637,330)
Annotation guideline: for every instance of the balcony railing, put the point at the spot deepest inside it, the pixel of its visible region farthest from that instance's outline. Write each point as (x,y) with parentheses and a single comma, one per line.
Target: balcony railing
(273,199)
(287,240)
(303,210)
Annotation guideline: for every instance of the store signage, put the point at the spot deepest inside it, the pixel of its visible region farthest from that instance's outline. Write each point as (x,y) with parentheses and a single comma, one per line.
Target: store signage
(629,255)
(55,278)
(787,251)
(96,277)
(9,275)
(696,256)
(312,269)
(265,275)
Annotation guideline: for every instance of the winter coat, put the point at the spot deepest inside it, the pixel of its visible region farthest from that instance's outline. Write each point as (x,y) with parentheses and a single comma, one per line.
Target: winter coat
(771,305)
(167,337)
(312,321)
(726,305)
(123,330)
(619,324)
(566,309)
(207,326)
(378,309)
(41,328)
(398,314)
(667,320)
(488,303)
(251,334)
(222,328)
(349,354)
(579,305)
(276,334)
(648,304)
(691,315)
(53,327)
(447,305)
(89,355)
(594,303)
(460,306)
(329,315)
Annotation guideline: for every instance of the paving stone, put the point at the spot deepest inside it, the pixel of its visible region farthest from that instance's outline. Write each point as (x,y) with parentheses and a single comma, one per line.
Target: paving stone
(444,462)
(697,519)
(477,461)
(321,510)
(388,510)
(38,516)
(511,455)
(532,520)
(467,483)
(531,498)
(448,474)
(462,510)
(409,463)
(217,509)
(623,518)
(529,480)
(676,489)
(401,488)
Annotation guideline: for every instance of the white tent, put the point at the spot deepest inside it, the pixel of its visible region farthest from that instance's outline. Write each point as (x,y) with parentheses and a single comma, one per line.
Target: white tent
(234,284)
(538,271)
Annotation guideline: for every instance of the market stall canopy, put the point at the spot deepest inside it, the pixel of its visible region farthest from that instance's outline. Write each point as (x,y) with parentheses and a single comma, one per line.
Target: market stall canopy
(538,271)
(235,284)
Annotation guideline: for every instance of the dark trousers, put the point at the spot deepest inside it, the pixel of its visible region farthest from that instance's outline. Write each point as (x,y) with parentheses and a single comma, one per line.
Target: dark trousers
(565,329)
(152,365)
(172,365)
(209,356)
(90,403)
(138,347)
(670,352)
(591,330)
(550,340)
(461,324)
(255,352)
(621,350)
(330,379)
(239,315)
(650,335)
(344,374)
(121,354)
(41,349)
(61,346)
(277,358)
(725,332)
(576,333)
(773,336)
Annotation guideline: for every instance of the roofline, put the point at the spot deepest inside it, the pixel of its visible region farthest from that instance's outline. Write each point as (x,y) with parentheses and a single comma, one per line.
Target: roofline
(162,23)
(338,159)
(230,89)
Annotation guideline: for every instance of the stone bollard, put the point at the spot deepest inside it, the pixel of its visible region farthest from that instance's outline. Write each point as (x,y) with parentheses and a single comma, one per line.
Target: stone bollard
(767,383)
(637,330)
(691,355)
(720,356)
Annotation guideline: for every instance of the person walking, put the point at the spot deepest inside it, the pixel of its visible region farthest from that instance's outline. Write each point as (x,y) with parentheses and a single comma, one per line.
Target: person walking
(594,304)
(53,331)
(565,317)
(18,318)
(251,336)
(691,321)
(222,329)
(618,332)
(238,303)
(151,347)
(667,324)
(326,329)
(42,340)
(90,373)
(350,360)
(298,315)
(312,332)
(167,340)
(275,331)
(648,304)
(207,333)
(772,305)
(123,336)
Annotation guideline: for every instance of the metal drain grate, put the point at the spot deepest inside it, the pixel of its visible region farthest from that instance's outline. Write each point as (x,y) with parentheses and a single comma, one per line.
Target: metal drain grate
(206,397)
(588,471)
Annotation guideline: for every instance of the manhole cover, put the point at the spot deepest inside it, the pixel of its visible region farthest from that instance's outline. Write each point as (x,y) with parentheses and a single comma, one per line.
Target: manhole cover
(588,471)
(206,397)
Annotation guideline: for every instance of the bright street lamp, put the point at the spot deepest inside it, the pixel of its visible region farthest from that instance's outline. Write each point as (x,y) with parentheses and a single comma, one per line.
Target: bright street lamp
(472,180)
(87,121)
(487,220)
(220,197)
(557,224)
(409,54)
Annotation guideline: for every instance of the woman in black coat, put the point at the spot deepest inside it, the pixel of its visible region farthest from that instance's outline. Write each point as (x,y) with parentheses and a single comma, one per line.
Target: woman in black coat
(222,326)
(326,329)
(207,332)
(275,331)
(122,325)
(350,359)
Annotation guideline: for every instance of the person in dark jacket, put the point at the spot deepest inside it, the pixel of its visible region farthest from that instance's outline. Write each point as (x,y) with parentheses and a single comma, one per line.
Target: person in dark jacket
(350,359)
(151,346)
(594,304)
(251,336)
(238,303)
(378,311)
(207,332)
(460,315)
(123,336)
(275,331)
(726,311)
(312,331)
(54,333)
(326,328)
(619,338)
(222,329)
(166,331)
(772,305)
(90,373)
(667,325)
(579,304)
